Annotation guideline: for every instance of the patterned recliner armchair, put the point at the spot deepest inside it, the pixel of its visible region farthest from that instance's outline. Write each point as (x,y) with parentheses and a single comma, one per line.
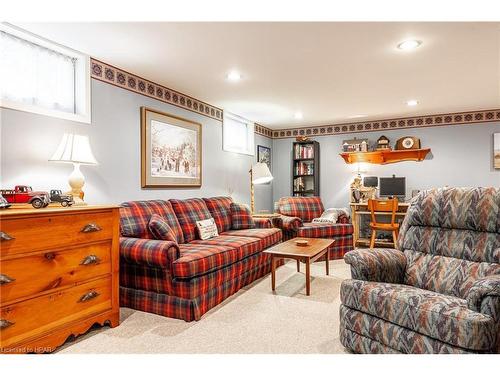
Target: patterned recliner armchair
(440,292)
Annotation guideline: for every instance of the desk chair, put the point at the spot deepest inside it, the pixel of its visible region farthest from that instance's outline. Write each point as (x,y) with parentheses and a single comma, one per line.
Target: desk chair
(389,205)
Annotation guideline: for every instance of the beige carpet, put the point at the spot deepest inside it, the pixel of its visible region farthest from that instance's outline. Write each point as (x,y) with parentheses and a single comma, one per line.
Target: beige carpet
(254,320)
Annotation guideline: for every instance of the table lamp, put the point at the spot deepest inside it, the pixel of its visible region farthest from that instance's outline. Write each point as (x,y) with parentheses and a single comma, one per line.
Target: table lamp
(259,174)
(75,149)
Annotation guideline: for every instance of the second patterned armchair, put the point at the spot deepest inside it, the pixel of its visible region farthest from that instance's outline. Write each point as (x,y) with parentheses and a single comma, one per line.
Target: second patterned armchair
(440,291)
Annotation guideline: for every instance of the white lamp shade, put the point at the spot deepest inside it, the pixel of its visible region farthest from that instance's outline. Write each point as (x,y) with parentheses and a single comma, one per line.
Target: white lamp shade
(261,174)
(74,148)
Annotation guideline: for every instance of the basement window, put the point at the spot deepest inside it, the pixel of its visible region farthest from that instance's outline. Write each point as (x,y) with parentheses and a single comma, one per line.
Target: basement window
(43,77)
(238,135)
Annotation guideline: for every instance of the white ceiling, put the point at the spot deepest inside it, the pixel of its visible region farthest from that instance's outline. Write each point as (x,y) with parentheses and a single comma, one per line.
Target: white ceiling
(328,71)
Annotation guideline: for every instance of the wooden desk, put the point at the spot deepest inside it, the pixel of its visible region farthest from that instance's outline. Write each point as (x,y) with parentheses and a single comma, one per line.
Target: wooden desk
(359,209)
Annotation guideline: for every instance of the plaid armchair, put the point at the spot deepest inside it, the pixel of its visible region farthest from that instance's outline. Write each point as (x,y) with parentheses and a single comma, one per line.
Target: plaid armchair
(440,291)
(295,221)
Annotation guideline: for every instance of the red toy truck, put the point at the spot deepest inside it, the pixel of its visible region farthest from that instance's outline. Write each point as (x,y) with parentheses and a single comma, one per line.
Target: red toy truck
(25,194)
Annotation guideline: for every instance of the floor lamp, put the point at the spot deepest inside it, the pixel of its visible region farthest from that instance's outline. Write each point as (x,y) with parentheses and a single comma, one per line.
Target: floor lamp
(259,174)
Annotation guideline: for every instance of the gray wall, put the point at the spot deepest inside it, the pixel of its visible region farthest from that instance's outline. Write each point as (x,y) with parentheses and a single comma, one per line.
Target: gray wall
(461,155)
(28,141)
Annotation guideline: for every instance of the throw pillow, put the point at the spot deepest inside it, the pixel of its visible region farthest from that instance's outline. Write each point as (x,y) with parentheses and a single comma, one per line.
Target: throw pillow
(160,229)
(207,228)
(241,217)
(331,215)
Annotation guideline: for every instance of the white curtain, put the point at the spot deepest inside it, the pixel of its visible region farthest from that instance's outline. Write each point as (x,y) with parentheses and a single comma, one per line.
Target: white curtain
(35,75)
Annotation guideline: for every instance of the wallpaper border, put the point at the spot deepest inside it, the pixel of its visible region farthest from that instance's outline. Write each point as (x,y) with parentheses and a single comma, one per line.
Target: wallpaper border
(457,118)
(120,78)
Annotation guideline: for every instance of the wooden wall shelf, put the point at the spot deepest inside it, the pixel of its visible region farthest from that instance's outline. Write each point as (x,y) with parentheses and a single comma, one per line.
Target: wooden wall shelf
(385,157)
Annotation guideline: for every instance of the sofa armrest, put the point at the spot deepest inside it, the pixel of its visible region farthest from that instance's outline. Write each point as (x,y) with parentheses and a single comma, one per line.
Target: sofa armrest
(262,222)
(152,253)
(288,223)
(484,296)
(383,265)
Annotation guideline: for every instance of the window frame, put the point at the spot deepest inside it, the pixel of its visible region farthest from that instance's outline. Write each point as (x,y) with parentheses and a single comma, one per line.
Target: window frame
(82,98)
(250,134)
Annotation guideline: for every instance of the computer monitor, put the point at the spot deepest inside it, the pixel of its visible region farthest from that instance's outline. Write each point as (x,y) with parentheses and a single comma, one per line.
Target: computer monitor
(370,181)
(392,187)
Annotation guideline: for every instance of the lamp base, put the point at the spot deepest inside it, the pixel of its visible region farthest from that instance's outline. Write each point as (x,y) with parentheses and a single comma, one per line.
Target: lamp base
(76,181)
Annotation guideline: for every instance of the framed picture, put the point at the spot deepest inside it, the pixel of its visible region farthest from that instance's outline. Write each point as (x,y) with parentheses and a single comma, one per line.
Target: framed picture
(496,150)
(170,150)
(264,155)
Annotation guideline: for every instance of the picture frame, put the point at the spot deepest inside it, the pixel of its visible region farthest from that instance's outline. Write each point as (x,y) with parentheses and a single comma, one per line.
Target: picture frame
(264,155)
(496,150)
(171,150)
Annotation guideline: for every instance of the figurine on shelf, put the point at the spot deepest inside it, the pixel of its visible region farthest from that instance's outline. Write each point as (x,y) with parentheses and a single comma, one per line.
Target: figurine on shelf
(301,138)
(383,143)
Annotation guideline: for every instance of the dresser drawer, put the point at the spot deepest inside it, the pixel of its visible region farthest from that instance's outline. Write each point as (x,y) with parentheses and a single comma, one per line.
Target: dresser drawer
(32,274)
(39,232)
(34,317)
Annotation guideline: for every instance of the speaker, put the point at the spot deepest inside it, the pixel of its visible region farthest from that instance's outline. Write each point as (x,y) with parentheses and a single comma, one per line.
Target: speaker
(370,181)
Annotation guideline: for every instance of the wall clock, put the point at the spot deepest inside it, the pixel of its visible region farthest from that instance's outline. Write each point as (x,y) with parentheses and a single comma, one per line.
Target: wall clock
(407,143)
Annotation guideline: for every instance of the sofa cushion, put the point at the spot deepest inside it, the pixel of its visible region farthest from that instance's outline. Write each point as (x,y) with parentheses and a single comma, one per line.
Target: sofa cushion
(135,216)
(220,211)
(188,212)
(207,228)
(241,217)
(445,318)
(247,245)
(160,229)
(306,208)
(268,236)
(199,259)
(323,230)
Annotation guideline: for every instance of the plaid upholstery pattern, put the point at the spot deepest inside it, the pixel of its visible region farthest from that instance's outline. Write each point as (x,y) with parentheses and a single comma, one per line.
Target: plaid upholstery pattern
(306,208)
(187,279)
(262,222)
(188,212)
(135,217)
(197,259)
(194,297)
(241,217)
(322,230)
(339,248)
(220,211)
(151,253)
(268,236)
(288,223)
(160,229)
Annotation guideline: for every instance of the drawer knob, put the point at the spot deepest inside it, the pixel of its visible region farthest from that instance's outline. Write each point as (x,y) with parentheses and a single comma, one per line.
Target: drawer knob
(5,237)
(4,279)
(5,323)
(90,259)
(88,296)
(91,227)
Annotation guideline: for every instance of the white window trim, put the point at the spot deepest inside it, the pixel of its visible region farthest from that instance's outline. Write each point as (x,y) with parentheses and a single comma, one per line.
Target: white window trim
(250,135)
(82,80)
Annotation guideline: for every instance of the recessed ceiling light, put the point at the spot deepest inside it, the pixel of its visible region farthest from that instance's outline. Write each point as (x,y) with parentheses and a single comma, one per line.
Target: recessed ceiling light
(298,116)
(358,116)
(409,44)
(233,76)
(412,103)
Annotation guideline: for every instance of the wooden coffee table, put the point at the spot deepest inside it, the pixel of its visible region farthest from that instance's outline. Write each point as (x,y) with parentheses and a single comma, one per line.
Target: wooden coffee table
(316,248)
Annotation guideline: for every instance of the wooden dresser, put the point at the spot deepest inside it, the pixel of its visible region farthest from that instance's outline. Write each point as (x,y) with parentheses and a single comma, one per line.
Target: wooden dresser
(58,274)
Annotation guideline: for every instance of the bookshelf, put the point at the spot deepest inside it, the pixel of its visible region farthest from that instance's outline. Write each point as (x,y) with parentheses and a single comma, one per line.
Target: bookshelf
(305,169)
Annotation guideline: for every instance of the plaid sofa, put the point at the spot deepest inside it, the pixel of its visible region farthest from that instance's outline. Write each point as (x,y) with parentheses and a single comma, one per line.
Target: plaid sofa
(295,221)
(440,291)
(185,278)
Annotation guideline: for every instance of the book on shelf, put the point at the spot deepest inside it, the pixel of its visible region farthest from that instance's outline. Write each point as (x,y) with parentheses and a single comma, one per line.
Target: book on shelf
(304,151)
(304,168)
